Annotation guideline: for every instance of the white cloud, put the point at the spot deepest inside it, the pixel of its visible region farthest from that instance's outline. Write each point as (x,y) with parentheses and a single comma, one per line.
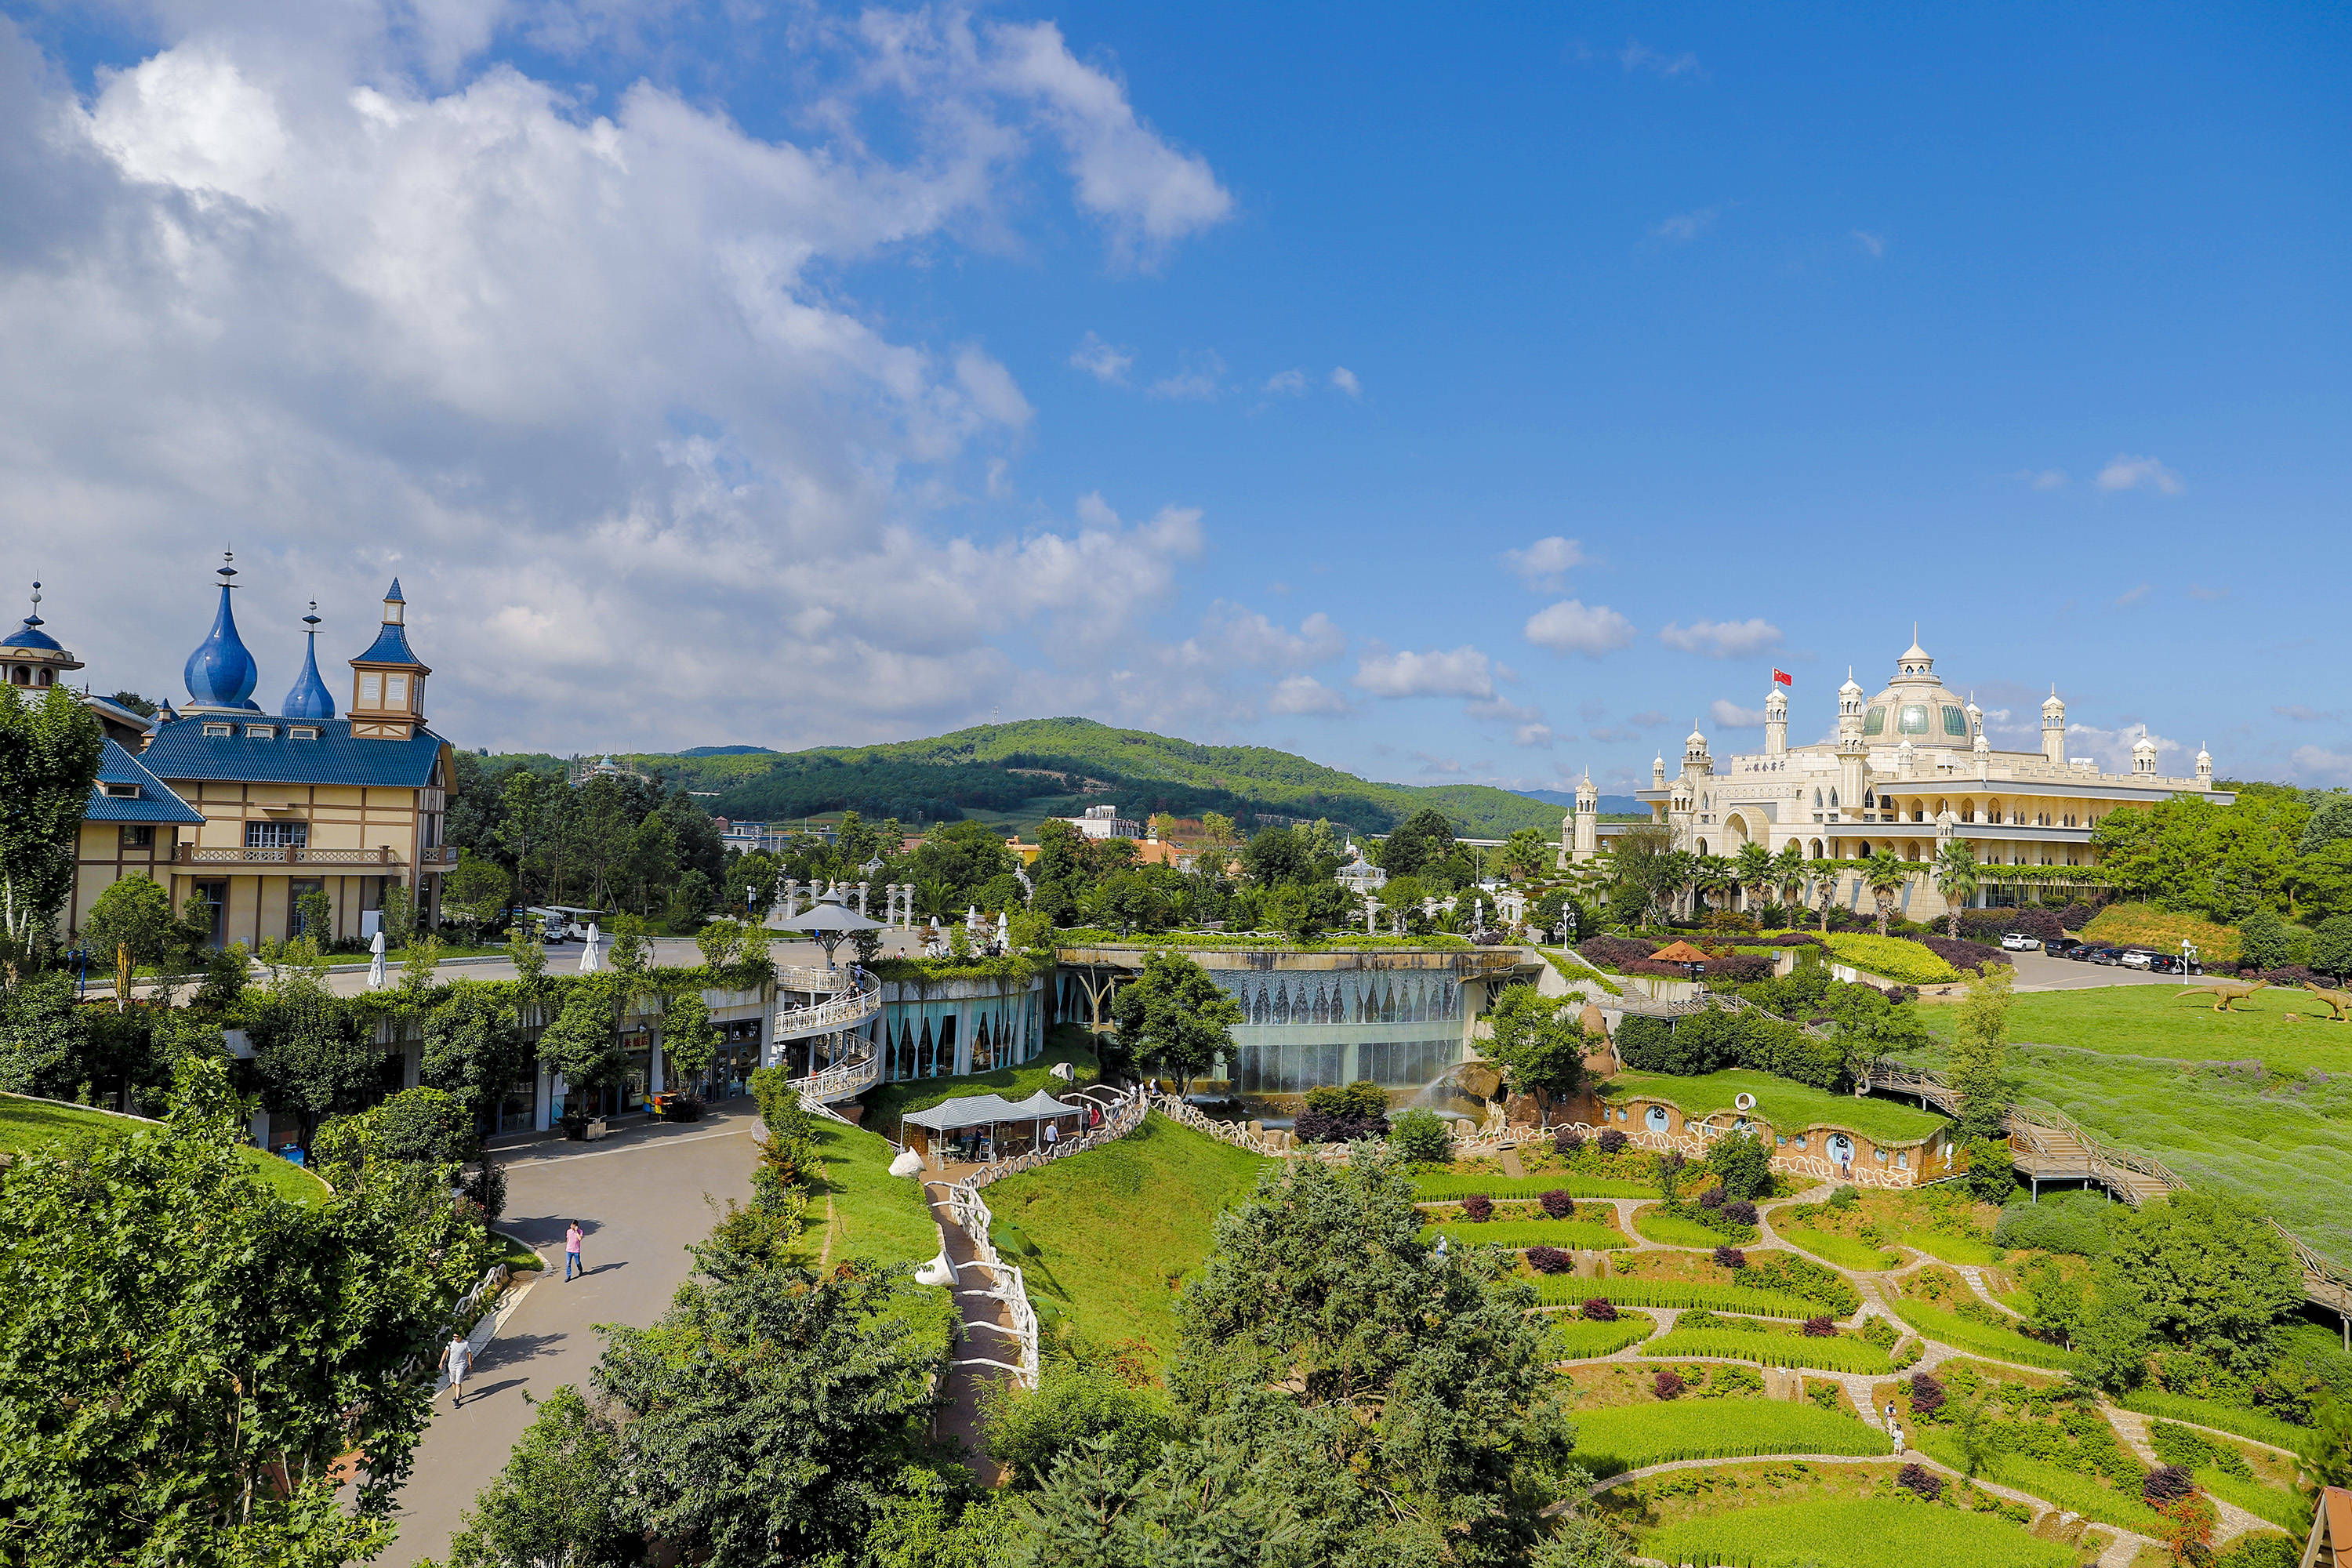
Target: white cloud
(2125,472)
(1458,672)
(1231,635)
(1200,380)
(1344,380)
(2130,597)
(2303,715)
(1683,227)
(1503,709)
(2112,748)
(1731,716)
(1102,361)
(1547,562)
(1638,55)
(1532,735)
(2318,765)
(1723,639)
(1287,383)
(2045,479)
(1570,627)
(582,372)
(1871,244)
(1302,694)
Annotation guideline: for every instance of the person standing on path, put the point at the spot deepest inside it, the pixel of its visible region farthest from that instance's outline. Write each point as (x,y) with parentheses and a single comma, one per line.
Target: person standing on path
(572,1239)
(460,1356)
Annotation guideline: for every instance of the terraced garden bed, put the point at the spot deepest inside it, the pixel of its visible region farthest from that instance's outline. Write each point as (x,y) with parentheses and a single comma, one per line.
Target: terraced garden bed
(1574,1339)
(1454,1185)
(2252,1424)
(1977,1339)
(1563,1290)
(1568,1233)
(1617,1438)
(1673,1230)
(1827,1354)
(1859,1532)
(1845,1251)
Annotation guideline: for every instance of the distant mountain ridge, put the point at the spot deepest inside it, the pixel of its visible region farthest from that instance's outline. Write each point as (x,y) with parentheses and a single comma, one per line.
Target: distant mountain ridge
(1062,760)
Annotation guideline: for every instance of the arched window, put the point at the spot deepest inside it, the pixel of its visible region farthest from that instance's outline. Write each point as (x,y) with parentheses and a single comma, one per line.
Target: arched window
(1869,800)
(1833,800)
(1967,811)
(1654,1119)
(1817,800)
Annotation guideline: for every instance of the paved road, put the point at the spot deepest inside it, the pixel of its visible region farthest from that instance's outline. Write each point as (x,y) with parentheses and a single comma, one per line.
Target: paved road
(2040,972)
(640,1197)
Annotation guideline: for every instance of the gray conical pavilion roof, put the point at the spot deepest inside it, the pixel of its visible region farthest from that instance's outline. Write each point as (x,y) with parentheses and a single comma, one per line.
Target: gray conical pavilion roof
(830,914)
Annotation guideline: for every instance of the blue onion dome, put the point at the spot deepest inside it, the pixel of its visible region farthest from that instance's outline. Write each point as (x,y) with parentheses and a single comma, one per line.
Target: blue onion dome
(221,673)
(30,634)
(309,698)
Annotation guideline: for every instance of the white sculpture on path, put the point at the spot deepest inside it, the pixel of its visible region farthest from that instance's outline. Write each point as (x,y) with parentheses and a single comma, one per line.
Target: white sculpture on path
(937,1271)
(375,960)
(907,1163)
(591,959)
(1003,931)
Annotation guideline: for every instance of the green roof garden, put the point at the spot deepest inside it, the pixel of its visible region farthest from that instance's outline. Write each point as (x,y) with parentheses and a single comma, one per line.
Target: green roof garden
(1786,1106)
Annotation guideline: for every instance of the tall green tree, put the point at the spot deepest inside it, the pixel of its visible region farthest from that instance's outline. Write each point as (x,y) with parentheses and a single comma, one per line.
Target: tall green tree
(2214,1277)
(49,753)
(1539,1041)
(1752,869)
(582,1043)
(1981,1052)
(186,1355)
(313,1053)
(690,1041)
(1955,875)
(42,1038)
(1885,875)
(1174,1018)
(473,1050)
(130,924)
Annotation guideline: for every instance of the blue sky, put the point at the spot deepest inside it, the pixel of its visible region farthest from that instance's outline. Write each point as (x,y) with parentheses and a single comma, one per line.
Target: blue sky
(1464,394)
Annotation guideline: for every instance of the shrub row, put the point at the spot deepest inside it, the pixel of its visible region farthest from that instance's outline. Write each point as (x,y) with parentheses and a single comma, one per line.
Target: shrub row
(1933,1322)
(1774,1350)
(1575,1339)
(1452,1187)
(2252,1424)
(1519,1233)
(1965,956)
(1569,1292)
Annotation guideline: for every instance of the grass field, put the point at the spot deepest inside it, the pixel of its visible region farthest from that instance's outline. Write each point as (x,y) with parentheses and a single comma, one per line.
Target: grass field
(1438,1186)
(1560,1291)
(1104,1238)
(1977,1338)
(2051,1481)
(1673,1230)
(1520,1233)
(1789,1107)
(2159,1021)
(886,1103)
(1849,1356)
(1621,1438)
(873,1213)
(1856,1532)
(2252,1424)
(1949,1248)
(1573,1339)
(2289,1511)
(1844,1251)
(45,1126)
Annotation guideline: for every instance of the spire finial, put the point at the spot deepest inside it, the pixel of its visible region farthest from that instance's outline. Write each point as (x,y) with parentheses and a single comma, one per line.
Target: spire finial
(311,620)
(34,618)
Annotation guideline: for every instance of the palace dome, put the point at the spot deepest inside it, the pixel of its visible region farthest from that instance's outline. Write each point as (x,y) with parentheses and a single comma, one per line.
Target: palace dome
(1917,706)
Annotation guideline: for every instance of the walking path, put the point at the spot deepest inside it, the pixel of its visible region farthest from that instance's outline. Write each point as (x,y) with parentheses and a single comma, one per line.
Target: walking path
(989,1355)
(640,1197)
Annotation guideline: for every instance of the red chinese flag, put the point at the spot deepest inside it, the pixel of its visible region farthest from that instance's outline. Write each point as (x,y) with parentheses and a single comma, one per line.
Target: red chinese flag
(1784,678)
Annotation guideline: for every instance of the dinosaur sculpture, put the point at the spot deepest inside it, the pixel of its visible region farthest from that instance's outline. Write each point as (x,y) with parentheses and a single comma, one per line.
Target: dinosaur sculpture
(2226,991)
(2337,1001)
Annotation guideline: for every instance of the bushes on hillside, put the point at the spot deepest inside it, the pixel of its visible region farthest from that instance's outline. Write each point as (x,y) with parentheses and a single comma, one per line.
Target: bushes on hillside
(1336,1115)
(1707,1042)
(1965,956)
(1549,1260)
(1420,1135)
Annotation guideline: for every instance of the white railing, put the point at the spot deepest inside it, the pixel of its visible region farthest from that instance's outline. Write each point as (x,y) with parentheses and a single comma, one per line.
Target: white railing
(808,977)
(845,1011)
(971,1213)
(461,1319)
(841,1081)
(1233,1132)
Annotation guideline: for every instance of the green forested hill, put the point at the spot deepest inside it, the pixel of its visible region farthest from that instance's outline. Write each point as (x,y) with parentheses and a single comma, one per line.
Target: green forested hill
(1038,767)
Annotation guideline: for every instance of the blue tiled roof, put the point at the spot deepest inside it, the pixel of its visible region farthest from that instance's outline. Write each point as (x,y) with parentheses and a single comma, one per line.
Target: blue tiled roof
(156,803)
(182,749)
(30,634)
(390,647)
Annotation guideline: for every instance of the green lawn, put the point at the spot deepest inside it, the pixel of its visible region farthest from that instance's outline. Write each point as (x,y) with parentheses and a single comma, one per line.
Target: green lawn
(2252,1424)
(1573,1339)
(44,1125)
(872,1213)
(1844,1251)
(2050,1480)
(1949,1248)
(1104,1238)
(1830,1355)
(1673,1230)
(1977,1339)
(1563,1290)
(2158,1021)
(1621,1438)
(1787,1106)
(1437,1185)
(1857,1532)
(1519,1233)
(886,1103)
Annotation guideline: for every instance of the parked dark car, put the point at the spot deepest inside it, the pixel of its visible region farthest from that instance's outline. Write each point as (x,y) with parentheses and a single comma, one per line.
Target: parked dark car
(2062,947)
(2110,956)
(2081,951)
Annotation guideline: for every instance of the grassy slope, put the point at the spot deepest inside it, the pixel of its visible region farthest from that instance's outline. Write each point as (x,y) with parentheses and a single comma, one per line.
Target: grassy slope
(1628,1437)
(1861,1532)
(1844,1251)
(1789,1107)
(1104,1238)
(40,1124)
(2159,1021)
(1258,771)
(874,1214)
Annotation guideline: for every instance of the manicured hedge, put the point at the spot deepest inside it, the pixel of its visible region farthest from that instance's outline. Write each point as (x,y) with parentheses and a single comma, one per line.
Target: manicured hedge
(1843,1250)
(1563,1290)
(1892,958)
(1774,1350)
(1701,1043)
(1449,1186)
(1573,1339)
(1977,1338)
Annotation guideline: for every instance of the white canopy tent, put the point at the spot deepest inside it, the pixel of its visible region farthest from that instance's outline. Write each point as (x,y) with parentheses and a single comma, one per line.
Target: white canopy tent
(964,1120)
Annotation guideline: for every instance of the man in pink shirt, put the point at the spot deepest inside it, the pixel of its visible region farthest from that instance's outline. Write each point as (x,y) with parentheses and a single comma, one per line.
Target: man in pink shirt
(572,1239)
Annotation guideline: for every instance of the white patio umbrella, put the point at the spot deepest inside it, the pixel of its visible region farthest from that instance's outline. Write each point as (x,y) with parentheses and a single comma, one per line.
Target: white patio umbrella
(590,960)
(972,918)
(828,920)
(1003,929)
(375,960)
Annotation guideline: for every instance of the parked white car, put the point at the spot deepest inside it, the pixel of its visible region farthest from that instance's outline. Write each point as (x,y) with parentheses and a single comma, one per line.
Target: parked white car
(2018,942)
(2133,960)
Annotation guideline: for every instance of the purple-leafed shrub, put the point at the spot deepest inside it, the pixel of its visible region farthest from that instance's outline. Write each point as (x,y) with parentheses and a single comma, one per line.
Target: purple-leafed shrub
(1730,1258)
(1610,1140)
(1963,956)
(1549,1260)
(1558,1204)
(1819,1328)
(1741,1213)
(1568,1142)
(1926,1395)
(1921,1481)
(1666,1385)
(1478,1207)
(1712,1198)
(1596,1311)
(1616,950)
(2166,1484)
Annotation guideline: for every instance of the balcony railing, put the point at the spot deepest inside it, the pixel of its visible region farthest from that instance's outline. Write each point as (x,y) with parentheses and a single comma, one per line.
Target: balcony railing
(198,855)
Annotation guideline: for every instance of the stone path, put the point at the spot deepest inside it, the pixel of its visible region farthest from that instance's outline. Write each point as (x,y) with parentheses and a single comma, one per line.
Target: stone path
(990,1354)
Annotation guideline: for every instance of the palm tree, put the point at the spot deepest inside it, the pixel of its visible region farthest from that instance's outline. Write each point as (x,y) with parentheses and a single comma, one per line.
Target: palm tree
(1955,877)
(1789,871)
(1886,876)
(1753,866)
(1824,874)
(1713,874)
(1675,870)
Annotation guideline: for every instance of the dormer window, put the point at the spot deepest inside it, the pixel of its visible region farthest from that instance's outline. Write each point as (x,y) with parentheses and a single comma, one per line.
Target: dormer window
(303,732)
(219,730)
(371,690)
(261,731)
(120,791)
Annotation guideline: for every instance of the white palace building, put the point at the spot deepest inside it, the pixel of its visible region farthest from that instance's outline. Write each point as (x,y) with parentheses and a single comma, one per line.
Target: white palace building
(1907,770)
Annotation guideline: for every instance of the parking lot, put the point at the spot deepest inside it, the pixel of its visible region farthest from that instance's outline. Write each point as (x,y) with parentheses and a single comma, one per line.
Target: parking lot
(2038,971)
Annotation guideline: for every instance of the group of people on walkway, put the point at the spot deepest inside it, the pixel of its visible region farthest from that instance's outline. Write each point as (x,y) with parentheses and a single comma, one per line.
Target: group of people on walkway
(458,1355)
